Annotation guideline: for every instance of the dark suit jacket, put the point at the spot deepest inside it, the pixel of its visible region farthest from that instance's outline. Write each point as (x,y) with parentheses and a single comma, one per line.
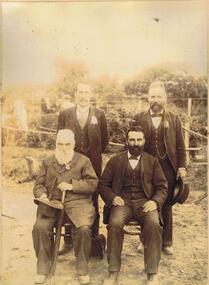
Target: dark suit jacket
(97,133)
(173,136)
(152,178)
(78,202)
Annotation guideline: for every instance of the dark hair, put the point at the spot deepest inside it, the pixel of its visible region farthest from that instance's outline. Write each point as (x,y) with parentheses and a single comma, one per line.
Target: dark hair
(134,129)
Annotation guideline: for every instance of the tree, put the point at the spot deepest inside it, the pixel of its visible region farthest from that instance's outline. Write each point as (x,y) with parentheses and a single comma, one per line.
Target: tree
(68,75)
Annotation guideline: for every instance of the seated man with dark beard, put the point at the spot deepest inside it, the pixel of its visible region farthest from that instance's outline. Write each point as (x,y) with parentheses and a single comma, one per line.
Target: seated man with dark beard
(134,186)
(72,172)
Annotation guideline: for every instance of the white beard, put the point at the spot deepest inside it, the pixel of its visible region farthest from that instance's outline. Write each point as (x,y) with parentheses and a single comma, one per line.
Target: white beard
(64,158)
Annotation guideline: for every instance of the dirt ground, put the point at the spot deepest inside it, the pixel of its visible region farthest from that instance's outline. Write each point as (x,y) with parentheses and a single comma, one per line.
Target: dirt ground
(187,266)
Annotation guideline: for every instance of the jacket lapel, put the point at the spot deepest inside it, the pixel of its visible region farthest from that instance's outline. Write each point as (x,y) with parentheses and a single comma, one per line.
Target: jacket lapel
(120,174)
(146,124)
(142,169)
(91,113)
(74,117)
(123,163)
(57,166)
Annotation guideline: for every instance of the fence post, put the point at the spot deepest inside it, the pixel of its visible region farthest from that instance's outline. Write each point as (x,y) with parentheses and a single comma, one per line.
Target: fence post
(187,126)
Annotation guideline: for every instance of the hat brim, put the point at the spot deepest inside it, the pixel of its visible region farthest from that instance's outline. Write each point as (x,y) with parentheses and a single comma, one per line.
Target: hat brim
(52,203)
(181,192)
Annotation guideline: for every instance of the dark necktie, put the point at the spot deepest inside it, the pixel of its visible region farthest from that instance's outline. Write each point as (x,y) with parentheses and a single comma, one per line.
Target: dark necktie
(155,115)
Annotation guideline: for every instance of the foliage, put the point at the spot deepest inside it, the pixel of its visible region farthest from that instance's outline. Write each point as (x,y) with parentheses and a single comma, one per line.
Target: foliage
(108,90)
(68,75)
(179,85)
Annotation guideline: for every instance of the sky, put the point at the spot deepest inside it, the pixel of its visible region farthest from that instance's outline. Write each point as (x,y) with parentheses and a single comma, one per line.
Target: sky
(118,39)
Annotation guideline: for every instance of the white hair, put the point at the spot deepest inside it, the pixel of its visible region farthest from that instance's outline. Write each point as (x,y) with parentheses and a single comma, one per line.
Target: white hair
(66,134)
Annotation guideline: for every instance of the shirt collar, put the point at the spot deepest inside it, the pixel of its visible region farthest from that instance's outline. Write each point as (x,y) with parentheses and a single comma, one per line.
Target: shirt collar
(83,110)
(138,157)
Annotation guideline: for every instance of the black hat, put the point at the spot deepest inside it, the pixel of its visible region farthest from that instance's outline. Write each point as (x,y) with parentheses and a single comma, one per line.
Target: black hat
(181,192)
(52,203)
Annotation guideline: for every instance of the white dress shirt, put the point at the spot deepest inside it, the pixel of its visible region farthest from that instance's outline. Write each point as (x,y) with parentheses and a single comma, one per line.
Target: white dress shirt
(156,120)
(82,114)
(133,162)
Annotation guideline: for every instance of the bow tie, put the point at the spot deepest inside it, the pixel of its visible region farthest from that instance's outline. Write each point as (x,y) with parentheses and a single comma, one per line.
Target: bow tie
(134,157)
(157,115)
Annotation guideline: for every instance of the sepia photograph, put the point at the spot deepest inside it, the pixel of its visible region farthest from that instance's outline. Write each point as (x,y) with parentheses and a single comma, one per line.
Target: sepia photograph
(104,130)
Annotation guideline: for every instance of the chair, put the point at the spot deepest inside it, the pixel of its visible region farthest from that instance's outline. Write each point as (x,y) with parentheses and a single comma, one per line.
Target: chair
(136,225)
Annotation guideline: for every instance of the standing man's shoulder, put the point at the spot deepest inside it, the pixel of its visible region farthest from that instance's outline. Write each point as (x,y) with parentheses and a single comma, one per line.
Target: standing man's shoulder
(67,111)
(172,116)
(63,117)
(138,117)
(98,112)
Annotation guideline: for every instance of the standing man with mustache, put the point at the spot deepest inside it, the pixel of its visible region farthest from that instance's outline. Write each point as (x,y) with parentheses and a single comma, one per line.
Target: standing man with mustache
(91,138)
(165,141)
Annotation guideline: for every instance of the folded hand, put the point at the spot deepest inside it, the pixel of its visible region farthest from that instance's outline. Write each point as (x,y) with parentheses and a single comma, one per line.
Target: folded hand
(118,201)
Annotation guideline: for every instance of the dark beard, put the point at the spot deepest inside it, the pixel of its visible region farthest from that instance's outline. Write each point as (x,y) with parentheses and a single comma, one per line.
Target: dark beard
(156,107)
(135,149)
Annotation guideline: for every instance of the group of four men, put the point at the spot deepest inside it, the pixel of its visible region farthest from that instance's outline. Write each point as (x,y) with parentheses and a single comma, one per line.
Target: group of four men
(137,183)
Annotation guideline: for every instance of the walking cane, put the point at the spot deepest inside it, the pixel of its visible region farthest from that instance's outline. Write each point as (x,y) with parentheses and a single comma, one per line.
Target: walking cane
(57,242)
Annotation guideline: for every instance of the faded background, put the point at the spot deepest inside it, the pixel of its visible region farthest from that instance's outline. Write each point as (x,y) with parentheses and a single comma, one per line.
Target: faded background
(120,47)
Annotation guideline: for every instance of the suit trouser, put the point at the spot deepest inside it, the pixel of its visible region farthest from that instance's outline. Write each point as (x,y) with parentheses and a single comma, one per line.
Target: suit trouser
(42,241)
(151,235)
(167,208)
(95,227)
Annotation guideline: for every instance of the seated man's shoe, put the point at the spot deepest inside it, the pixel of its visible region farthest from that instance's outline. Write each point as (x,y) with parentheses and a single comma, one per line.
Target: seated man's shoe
(112,279)
(152,279)
(168,250)
(84,279)
(67,247)
(40,279)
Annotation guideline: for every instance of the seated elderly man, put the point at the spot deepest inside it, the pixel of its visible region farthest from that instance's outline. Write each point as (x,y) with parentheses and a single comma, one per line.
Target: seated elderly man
(72,172)
(134,186)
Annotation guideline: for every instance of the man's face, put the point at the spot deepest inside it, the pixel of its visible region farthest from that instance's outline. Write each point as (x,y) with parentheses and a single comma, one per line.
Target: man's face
(157,99)
(135,142)
(65,146)
(83,95)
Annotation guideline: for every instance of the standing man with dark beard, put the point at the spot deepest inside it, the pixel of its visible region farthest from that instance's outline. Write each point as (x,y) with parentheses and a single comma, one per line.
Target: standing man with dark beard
(134,186)
(91,138)
(164,140)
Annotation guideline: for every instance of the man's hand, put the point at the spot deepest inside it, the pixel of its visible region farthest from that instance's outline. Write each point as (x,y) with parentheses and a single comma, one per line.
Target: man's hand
(64,186)
(149,206)
(118,201)
(181,172)
(44,197)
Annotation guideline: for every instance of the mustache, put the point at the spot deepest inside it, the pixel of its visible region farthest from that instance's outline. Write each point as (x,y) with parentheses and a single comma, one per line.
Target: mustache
(156,104)
(156,107)
(135,149)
